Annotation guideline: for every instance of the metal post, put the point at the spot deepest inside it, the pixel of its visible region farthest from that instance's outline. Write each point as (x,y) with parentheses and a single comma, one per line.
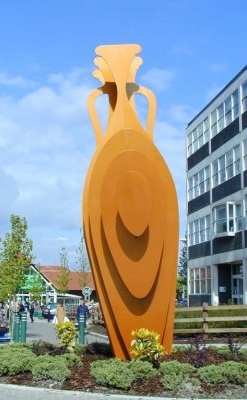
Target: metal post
(82,325)
(23,335)
(16,327)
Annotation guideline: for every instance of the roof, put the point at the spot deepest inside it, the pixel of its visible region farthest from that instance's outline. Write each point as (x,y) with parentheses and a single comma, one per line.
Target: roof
(51,273)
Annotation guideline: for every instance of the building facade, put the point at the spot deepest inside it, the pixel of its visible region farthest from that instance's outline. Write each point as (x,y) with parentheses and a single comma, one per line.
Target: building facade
(216,141)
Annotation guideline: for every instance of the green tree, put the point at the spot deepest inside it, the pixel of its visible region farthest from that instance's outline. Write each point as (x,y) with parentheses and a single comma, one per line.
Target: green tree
(83,262)
(182,271)
(63,275)
(15,258)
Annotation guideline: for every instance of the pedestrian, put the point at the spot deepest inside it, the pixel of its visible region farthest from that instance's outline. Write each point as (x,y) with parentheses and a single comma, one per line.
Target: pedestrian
(82,309)
(31,311)
(60,313)
(20,309)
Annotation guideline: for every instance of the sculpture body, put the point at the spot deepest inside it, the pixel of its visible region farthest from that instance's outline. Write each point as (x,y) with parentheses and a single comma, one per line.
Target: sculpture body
(130,212)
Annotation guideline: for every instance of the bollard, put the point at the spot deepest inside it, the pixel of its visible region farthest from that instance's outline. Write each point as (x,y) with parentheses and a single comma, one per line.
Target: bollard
(82,325)
(23,335)
(16,327)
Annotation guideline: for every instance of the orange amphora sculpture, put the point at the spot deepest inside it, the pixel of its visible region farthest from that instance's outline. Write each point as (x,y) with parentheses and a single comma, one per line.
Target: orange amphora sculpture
(130,212)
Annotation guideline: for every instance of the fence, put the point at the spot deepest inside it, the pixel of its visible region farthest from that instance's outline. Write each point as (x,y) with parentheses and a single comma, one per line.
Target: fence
(204,322)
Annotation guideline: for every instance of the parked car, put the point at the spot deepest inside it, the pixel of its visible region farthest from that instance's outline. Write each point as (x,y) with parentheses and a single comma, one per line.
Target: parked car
(53,308)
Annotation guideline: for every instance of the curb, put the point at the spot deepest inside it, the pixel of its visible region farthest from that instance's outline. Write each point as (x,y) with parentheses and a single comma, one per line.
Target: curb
(30,393)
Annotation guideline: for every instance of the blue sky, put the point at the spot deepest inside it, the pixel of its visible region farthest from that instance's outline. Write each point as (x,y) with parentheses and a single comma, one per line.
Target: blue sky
(190,50)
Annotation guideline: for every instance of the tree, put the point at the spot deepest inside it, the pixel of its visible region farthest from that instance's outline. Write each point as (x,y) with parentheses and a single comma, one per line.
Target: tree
(182,271)
(15,258)
(83,263)
(63,275)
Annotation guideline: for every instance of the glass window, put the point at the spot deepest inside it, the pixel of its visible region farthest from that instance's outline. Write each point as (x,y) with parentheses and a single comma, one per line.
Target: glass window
(215,173)
(197,287)
(220,219)
(200,280)
(195,141)
(201,182)
(227,166)
(207,228)
(227,218)
(235,104)
(200,134)
(228,110)
(244,96)
(220,112)
(209,286)
(245,153)
(236,154)
(206,130)
(199,230)
(207,179)
(196,230)
(239,218)
(190,144)
(214,123)
(222,171)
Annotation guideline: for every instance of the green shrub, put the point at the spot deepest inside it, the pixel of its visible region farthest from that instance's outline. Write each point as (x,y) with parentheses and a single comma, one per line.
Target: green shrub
(66,333)
(121,374)
(114,373)
(224,373)
(70,359)
(173,373)
(243,353)
(145,345)
(4,366)
(51,368)
(212,374)
(223,350)
(174,367)
(79,349)
(15,359)
(142,369)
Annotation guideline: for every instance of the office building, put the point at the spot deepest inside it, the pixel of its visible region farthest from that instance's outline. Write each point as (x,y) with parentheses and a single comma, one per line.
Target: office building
(216,142)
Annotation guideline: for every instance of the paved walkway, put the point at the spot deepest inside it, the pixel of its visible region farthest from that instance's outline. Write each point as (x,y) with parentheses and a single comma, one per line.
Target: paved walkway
(41,329)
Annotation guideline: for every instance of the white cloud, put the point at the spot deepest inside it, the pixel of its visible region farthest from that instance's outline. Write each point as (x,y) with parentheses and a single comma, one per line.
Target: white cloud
(158,79)
(46,145)
(15,81)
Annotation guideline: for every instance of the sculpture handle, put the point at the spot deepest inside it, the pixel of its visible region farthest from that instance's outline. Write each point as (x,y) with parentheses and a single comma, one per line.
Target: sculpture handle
(151,108)
(93,114)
